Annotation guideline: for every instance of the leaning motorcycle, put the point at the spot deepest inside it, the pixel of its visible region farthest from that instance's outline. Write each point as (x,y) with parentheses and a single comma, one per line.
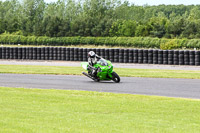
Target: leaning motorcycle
(104,71)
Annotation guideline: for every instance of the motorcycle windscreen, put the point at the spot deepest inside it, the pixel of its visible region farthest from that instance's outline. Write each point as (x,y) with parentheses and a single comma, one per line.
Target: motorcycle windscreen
(84,65)
(102,62)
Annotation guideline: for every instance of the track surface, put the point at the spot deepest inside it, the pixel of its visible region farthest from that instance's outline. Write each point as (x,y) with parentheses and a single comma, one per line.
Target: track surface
(185,88)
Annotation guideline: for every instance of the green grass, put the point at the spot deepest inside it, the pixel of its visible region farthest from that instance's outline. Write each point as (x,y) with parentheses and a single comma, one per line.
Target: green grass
(37,110)
(126,72)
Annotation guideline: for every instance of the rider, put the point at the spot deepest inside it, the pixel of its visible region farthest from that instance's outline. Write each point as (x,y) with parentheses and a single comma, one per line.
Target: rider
(92,60)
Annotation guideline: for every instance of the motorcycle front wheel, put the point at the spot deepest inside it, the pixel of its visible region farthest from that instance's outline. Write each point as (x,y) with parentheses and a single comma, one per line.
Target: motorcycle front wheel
(115,77)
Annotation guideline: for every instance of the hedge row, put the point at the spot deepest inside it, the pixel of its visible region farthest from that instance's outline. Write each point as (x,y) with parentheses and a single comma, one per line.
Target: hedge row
(136,42)
(171,57)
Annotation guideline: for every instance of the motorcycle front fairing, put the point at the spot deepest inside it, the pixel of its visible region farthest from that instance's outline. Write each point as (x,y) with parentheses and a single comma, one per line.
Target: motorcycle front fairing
(106,69)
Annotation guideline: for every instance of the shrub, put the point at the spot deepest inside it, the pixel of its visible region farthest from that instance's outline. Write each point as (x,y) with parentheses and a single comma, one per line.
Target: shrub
(172,44)
(136,42)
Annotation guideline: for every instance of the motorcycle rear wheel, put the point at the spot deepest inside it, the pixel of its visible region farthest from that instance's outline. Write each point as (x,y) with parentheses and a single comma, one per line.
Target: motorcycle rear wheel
(115,77)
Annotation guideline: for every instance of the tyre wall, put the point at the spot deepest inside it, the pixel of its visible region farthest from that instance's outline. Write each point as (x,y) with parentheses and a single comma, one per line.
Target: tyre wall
(141,56)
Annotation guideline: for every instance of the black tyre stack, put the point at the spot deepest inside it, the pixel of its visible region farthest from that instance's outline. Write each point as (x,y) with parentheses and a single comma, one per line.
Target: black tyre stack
(67,54)
(1,52)
(121,55)
(192,57)
(126,59)
(15,53)
(59,53)
(42,53)
(19,53)
(150,56)
(4,53)
(63,53)
(34,53)
(30,53)
(80,54)
(102,53)
(116,55)
(140,56)
(38,54)
(155,56)
(170,57)
(160,57)
(55,49)
(165,57)
(197,58)
(111,55)
(51,53)
(71,54)
(46,53)
(11,52)
(27,53)
(76,54)
(186,57)
(23,53)
(85,54)
(98,51)
(145,56)
(176,57)
(135,56)
(107,54)
(181,57)
(130,59)
(7,53)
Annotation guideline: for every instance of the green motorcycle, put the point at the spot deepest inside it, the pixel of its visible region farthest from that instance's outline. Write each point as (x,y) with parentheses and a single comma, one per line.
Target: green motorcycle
(104,71)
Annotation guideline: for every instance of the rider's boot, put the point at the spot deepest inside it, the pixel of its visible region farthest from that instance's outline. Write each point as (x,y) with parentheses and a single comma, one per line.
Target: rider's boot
(94,74)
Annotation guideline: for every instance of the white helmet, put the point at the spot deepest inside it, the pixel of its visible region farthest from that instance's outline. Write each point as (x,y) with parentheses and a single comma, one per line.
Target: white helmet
(91,54)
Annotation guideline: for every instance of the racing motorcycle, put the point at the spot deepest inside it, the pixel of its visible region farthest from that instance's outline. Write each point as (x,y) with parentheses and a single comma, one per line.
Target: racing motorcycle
(104,71)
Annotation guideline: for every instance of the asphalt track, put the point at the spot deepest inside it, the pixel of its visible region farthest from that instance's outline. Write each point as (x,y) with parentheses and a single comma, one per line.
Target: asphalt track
(184,88)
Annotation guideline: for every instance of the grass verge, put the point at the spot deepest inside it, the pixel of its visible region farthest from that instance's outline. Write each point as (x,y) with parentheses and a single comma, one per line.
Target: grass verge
(37,110)
(124,72)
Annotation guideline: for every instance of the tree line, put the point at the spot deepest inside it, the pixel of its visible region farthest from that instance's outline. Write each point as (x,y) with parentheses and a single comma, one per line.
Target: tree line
(98,18)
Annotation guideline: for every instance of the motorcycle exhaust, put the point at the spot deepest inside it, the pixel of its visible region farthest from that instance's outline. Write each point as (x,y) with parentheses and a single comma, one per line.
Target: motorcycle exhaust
(88,75)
